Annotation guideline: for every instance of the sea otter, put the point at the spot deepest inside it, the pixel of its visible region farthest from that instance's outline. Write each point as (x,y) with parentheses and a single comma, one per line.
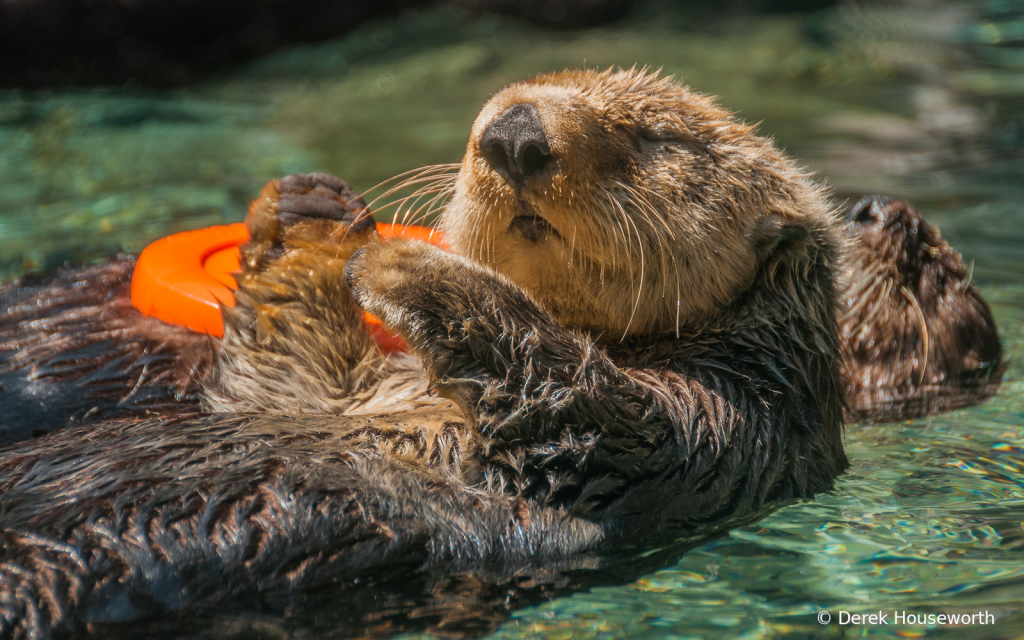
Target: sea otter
(634,334)
(916,338)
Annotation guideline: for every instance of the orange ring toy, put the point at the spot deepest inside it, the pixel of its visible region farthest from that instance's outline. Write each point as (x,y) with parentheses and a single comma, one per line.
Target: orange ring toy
(185,278)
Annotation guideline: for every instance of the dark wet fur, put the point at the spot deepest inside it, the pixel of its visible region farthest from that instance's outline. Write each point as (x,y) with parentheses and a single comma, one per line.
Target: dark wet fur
(73,349)
(568,448)
(917,338)
(191,511)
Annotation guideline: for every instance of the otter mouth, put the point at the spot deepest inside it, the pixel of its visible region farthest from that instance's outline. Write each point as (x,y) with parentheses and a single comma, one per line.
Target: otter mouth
(534,228)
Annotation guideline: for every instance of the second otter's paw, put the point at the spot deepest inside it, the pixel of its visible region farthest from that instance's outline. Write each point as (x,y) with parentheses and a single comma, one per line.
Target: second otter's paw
(313,210)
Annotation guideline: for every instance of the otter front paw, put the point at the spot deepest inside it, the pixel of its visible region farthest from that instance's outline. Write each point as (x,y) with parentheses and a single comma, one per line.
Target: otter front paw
(313,211)
(429,296)
(394,280)
(470,326)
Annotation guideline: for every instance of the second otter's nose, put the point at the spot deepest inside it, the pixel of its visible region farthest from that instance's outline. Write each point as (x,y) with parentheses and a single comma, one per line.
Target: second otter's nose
(514,144)
(868,210)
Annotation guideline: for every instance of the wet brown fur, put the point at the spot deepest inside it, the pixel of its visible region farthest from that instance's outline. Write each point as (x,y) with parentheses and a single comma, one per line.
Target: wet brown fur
(917,338)
(74,348)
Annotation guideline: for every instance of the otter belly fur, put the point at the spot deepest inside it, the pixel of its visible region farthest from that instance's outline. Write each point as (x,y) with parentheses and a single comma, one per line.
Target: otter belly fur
(634,335)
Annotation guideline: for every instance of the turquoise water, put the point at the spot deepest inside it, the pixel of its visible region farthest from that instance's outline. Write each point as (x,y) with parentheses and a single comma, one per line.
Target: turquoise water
(930,518)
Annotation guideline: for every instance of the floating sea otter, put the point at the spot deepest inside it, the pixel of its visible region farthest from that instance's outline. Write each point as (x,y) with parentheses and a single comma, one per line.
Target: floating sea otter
(634,334)
(916,338)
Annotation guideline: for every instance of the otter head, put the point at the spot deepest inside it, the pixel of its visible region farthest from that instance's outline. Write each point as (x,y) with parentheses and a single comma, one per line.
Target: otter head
(624,202)
(916,336)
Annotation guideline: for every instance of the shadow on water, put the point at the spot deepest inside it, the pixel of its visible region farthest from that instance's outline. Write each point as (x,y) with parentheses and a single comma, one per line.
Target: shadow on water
(921,101)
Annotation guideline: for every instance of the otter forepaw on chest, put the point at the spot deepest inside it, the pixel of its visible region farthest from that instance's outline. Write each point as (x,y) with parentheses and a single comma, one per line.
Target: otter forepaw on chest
(441,303)
(313,212)
(408,284)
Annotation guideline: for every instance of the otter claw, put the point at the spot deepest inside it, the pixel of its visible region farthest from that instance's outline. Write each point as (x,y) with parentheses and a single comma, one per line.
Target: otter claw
(305,182)
(311,213)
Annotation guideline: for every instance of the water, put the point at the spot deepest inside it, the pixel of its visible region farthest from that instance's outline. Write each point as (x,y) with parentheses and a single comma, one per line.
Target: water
(921,102)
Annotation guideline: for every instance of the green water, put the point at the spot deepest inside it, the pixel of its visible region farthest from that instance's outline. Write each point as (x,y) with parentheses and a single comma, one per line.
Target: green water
(930,518)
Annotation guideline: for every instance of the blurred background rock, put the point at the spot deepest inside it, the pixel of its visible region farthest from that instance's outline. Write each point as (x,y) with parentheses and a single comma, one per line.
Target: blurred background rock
(170,42)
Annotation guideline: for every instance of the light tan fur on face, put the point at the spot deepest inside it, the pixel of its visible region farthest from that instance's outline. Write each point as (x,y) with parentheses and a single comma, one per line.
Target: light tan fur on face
(659,199)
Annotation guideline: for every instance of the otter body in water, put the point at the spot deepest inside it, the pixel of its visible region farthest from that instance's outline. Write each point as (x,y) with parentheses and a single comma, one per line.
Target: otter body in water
(634,334)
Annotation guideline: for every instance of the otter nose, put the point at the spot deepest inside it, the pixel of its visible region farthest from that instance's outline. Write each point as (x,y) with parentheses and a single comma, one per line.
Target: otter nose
(514,144)
(868,210)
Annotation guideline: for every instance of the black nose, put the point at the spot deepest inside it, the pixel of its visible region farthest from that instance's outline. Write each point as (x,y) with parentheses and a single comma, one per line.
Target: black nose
(868,210)
(514,144)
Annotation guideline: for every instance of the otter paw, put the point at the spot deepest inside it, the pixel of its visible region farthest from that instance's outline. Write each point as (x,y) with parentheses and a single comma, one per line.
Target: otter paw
(393,280)
(311,196)
(304,210)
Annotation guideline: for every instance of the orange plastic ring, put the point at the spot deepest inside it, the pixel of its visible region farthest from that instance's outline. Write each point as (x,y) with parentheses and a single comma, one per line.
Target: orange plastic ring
(184,279)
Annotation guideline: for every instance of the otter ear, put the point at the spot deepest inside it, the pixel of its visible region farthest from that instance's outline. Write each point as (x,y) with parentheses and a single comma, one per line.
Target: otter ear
(774,235)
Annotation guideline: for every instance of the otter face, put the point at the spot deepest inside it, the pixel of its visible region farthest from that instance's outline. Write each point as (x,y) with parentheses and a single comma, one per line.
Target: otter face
(910,320)
(622,202)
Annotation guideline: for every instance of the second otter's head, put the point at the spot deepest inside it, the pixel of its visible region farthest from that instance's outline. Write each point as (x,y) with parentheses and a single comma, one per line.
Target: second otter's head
(624,202)
(917,337)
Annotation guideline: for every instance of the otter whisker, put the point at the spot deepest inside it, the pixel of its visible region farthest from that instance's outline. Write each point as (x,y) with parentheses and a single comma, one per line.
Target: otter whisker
(963,284)
(860,296)
(924,329)
(430,206)
(660,243)
(869,276)
(617,206)
(679,299)
(622,232)
(626,240)
(572,245)
(441,187)
(431,186)
(649,207)
(877,306)
(450,169)
(423,178)
(862,288)
(639,293)
(487,234)
(439,201)
(403,203)
(640,209)
(479,245)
